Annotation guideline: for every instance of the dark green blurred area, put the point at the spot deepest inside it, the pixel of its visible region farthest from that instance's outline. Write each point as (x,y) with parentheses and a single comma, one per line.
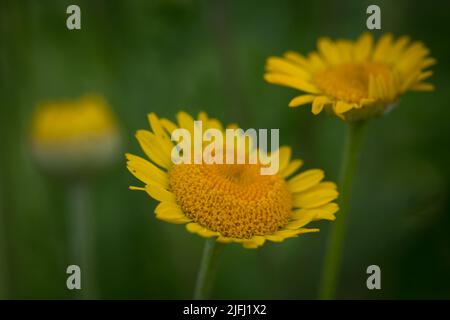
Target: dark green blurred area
(168,55)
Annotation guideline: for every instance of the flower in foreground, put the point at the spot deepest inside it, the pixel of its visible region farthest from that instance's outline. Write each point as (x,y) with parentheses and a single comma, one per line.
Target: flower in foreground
(72,137)
(354,79)
(231,202)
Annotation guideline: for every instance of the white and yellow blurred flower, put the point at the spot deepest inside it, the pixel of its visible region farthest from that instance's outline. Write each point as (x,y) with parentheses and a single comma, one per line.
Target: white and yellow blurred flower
(72,137)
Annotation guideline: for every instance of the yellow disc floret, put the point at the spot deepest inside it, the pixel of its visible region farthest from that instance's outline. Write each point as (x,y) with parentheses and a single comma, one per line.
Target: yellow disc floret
(351,82)
(235,200)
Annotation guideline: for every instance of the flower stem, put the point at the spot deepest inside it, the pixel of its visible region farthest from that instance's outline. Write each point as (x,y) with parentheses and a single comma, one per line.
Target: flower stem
(81,234)
(3,258)
(332,263)
(207,271)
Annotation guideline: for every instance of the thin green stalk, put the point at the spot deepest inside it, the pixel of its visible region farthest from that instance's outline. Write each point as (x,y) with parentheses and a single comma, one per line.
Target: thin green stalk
(332,263)
(81,234)
(207,271)
(3,259)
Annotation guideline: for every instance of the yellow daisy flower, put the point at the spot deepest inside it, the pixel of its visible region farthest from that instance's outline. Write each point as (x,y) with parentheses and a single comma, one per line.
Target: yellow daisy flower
(354,79)
(232,202)
(72,135)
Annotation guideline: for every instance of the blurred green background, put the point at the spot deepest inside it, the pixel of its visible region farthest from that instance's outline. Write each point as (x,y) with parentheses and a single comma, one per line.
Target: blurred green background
(167,55)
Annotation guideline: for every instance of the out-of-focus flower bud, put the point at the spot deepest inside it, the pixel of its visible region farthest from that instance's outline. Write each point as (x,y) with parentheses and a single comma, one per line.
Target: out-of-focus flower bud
(75,138)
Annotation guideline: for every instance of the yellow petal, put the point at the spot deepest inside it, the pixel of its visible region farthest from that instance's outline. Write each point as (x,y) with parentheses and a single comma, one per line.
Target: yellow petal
(201,231)
(297,58)
(280,65)
(171,212)
(363,47)
(203,117)
(422,86)
(314,198)
(425,75)
(383,47)
(316,62)
(168,125)
(319,103)
(398,48)
(345,49)
(326,212)
(342,107)
(146,171)
(160,194)
(254,242)
(291,82)
(156,125)
(305,180)
(285,156)
(300,100)
(302,218)
(291,168)
(428,62)
(185,121)
(328,51)
(153,149)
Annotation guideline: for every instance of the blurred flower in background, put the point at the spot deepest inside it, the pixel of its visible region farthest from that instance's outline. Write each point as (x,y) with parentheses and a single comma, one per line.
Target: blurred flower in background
(75,137)
(354,79)
(75,140)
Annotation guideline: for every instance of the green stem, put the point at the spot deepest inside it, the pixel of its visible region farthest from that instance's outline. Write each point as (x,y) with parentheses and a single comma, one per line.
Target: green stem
(81,234)
(3,258)
(332,263)
(207,271)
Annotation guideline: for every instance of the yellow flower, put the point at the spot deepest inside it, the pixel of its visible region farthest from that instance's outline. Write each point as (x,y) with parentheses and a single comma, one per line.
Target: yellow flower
(354,79)
(69,136)
(232,202)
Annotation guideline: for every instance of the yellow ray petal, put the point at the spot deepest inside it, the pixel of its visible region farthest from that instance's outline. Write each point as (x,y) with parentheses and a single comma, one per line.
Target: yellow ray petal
(185,121)
(422,86)
(297,58)
(319,103)
(293,166)
(285,156)
(194,227)
(316,62)
(280,65)
(342,107)
(398,48)
(168,125)
(156,125)
(305,180)
(152,149)
(345,49)
(363,47)
(425,75)
(291,82)
(382,48)
(160,194)
(302,218)
(314,198)
(254,242)
(170,212)
(146,171)
(326,212)
(329,51)
(300,100)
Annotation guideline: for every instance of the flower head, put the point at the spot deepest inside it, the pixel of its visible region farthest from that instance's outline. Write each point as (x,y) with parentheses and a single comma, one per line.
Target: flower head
(232,202)
(74,137)
(354,79)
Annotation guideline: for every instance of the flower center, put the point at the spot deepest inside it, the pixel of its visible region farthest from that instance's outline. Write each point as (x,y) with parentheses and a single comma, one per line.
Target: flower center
(350,82)
(235,200)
